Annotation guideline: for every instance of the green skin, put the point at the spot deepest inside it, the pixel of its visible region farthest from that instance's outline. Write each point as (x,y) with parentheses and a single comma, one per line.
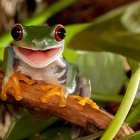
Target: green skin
(41,39)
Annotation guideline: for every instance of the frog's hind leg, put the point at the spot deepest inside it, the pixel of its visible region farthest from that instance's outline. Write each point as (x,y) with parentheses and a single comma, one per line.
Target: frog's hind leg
(85,92)
(84,86)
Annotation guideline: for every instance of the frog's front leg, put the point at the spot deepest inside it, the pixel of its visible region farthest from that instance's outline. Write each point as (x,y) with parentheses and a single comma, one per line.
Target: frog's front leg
(9,82)
(84,87)
(8,71)
(11,79)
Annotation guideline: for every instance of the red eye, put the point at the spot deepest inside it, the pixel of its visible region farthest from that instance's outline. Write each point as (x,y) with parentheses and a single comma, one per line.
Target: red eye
(60,33)
(17,32)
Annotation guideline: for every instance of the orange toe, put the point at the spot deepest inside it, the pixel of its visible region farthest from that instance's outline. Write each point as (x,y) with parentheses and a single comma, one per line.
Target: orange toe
(4,90)
(25,79)
(53,90)
(16,85)
(84,100)
(14,82)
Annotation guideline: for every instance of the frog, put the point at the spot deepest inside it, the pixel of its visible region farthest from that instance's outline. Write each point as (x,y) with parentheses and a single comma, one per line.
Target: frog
(37,52)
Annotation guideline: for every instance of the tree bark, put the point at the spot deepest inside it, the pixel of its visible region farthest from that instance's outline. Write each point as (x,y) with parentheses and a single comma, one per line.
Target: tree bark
(87,117)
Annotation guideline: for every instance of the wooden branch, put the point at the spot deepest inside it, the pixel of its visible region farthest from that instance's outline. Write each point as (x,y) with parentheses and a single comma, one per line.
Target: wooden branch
(85,116)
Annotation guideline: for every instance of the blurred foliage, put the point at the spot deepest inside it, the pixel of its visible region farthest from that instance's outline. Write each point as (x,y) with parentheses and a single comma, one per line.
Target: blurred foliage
(91,137)
(105,70)
(133,64)
(38,18)
(57,133)
(27,126)
(117,31)
(134,136)
(133,117)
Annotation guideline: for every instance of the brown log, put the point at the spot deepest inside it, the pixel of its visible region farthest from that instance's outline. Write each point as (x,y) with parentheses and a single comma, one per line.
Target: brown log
(87,117)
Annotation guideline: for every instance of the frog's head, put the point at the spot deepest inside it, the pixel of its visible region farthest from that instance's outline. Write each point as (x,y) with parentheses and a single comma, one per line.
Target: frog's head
(38,46)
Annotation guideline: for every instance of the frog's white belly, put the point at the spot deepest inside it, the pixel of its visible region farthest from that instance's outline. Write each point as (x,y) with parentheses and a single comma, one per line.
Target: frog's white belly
(47,74)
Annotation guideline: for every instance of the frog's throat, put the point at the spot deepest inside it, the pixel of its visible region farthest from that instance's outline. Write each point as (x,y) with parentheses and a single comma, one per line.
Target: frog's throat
(38,58)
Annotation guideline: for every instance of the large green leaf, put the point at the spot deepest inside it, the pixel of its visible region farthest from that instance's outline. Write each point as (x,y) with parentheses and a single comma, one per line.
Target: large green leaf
(1,53)
(71,30)
(117,31)
(105,70)
(133,64)
(27,126)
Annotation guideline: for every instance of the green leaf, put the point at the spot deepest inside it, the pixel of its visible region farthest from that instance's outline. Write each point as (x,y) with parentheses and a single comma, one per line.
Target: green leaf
(71,30)
(27,126)
(1,54)
(91,137)
(134,136)
(57,133)
(117,31)
(105,70)
(107,97)
(134,115)
(133,64)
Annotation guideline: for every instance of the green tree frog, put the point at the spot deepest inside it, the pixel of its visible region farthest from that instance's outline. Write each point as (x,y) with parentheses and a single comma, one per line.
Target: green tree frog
(37,53)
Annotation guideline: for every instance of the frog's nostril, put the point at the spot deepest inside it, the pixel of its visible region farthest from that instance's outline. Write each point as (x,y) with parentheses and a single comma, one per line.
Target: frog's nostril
(46,43)
(38,44)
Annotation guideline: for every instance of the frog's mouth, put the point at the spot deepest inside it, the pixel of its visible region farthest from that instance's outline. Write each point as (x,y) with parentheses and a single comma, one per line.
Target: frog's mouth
(38,58)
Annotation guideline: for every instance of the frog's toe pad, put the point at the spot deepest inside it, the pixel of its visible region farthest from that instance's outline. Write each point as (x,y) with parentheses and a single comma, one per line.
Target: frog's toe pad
(25,79)
(4,90)
(84,100)
(13,82)
(51,90)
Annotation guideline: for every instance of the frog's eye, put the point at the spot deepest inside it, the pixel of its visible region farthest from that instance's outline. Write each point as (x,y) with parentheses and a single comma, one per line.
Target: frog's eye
(17,32)
(60,33)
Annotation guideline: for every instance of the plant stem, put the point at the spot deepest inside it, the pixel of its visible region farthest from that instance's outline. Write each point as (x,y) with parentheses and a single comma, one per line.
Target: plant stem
(124,108)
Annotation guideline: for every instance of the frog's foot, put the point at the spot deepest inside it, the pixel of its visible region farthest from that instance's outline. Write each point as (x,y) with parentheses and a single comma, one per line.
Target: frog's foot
(84,100)
(53,90)
(25,79)
(13,82)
